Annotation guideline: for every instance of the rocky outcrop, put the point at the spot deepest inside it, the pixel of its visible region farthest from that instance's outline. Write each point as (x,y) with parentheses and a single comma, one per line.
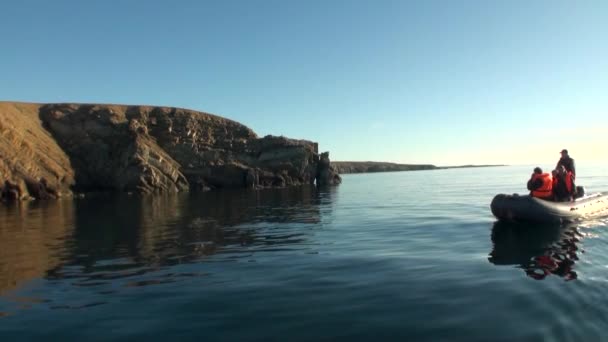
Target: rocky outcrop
(327,173)
(146,149)
(28,153)
(111,149)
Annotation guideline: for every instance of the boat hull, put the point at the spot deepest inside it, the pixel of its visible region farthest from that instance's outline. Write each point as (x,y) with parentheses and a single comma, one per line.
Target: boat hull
(531,209)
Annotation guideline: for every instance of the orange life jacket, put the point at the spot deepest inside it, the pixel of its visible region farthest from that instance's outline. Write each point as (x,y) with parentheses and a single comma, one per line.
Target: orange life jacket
(569,178)
(545,190)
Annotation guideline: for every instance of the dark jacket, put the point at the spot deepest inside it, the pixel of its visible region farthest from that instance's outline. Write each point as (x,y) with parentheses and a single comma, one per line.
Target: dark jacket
(560,189)
(568,164)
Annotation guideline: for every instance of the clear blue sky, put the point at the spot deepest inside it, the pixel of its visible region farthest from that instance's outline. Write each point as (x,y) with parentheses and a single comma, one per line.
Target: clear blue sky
(441,82)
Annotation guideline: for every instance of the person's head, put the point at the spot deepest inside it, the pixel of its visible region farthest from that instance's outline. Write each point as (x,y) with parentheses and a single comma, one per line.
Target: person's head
(564,153)
(554,173)
(538,170)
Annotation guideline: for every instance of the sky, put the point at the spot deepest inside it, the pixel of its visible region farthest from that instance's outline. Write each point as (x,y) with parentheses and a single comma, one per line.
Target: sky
(421,82)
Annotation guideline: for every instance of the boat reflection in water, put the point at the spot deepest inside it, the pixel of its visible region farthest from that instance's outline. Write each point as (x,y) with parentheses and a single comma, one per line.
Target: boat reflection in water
(540,250)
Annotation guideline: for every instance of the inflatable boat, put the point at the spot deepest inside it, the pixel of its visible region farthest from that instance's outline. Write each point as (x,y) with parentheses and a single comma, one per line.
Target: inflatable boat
(525,208)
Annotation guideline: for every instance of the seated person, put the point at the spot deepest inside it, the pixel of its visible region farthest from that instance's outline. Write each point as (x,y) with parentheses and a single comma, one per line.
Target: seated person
(540,184)
(563,188)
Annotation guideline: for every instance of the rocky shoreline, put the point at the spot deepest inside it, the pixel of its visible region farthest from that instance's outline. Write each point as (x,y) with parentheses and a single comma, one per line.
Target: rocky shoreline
(55,150)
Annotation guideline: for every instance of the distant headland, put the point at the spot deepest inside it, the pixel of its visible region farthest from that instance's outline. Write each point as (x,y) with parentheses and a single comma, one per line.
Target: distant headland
(345,167)
(53,150)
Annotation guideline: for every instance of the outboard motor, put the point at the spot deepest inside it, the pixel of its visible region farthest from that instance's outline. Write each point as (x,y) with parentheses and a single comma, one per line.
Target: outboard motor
(580,191)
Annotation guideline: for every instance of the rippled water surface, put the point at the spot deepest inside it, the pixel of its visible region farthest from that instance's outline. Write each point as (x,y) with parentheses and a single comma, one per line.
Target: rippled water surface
(393,256)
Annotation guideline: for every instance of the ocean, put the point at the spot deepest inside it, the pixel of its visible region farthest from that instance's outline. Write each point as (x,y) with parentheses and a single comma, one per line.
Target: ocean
(390,256)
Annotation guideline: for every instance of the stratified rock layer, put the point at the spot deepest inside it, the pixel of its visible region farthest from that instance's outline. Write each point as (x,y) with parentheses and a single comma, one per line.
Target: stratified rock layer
(145,149)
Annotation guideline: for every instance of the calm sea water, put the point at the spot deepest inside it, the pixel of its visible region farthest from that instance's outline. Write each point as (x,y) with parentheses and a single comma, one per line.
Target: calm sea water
(392,256)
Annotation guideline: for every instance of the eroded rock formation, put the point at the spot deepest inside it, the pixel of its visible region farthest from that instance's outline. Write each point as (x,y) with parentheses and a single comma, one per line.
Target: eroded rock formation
(147,149)
(326,173)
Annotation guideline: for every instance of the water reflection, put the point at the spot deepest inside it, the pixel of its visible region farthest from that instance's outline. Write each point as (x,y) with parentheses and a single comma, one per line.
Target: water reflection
(540,250)
(32,239)
(96,241)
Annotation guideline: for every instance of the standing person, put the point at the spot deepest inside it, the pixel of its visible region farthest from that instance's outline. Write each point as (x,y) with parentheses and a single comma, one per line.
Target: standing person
(541,184)
(567,162)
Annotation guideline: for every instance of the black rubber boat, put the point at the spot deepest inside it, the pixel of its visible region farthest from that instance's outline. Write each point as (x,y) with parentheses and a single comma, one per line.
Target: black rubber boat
(525,208)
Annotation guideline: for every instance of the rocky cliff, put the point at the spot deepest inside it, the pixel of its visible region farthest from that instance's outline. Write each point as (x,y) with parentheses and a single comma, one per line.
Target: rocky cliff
(51,149)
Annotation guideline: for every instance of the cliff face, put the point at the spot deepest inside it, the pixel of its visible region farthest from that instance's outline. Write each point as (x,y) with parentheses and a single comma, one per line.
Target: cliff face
(28,151)
(146,149)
